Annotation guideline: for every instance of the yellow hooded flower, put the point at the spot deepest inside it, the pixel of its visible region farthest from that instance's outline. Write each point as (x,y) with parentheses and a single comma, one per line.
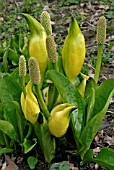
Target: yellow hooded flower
(29,104)
(73,53)
(37,43)
(59,120)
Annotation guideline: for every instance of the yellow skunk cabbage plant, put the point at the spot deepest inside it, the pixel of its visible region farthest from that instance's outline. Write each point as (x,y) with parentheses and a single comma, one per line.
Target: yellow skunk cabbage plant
(54,99)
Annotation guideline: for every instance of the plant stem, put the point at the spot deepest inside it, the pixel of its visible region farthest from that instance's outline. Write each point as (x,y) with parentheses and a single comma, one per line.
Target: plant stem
(41,101)
(98,63)
(55,67)
(22,81)
(53,93)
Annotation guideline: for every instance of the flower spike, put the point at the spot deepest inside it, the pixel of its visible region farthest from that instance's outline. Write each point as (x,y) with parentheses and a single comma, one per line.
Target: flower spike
(46,22)
(22,66)
(34,71)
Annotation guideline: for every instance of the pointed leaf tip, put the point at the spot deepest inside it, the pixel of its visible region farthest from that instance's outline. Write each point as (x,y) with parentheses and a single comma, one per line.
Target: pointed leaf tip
(74,27)
(35,26)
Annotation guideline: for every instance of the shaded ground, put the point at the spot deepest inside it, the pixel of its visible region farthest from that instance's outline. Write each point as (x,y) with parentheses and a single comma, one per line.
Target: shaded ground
(87,15)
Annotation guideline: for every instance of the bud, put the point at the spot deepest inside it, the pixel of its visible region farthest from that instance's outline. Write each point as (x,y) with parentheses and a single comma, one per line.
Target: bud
(46,22)
(59,120)
(81,87)
(51,49)
(29,104)
(73,52)
(34,71)
(101,30)
(22,66)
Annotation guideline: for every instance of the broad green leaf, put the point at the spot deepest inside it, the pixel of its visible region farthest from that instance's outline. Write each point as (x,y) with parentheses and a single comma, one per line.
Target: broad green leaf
(29,145)
(32,161)
(10,91)
(5,150)
(94,124)
(8,129)
(102,94)
(67,90)
(46,140)
(70,95)
(105,158)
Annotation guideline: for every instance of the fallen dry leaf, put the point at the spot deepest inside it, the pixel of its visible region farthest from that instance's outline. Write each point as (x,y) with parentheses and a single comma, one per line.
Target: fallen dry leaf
(9,164)
(109,140)
(72,167)
(106,7)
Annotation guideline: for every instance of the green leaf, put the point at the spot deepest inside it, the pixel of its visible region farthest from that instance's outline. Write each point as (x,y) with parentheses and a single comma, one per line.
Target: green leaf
(29,130)
(46,140)
(102,100)
(91,102)
(21,42)
(102,94)
(32,161)
(13,56)
(21,120)
(60,166)
(90,84)
(105,158)
(2,142)
(8,129)
(67,90)
(88,157)
(10,91)
(29,145)
(54,166)
(1,111)
(5,150)
(14,43)
(70,95)
(15,74)
(76,126)
(52,96)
